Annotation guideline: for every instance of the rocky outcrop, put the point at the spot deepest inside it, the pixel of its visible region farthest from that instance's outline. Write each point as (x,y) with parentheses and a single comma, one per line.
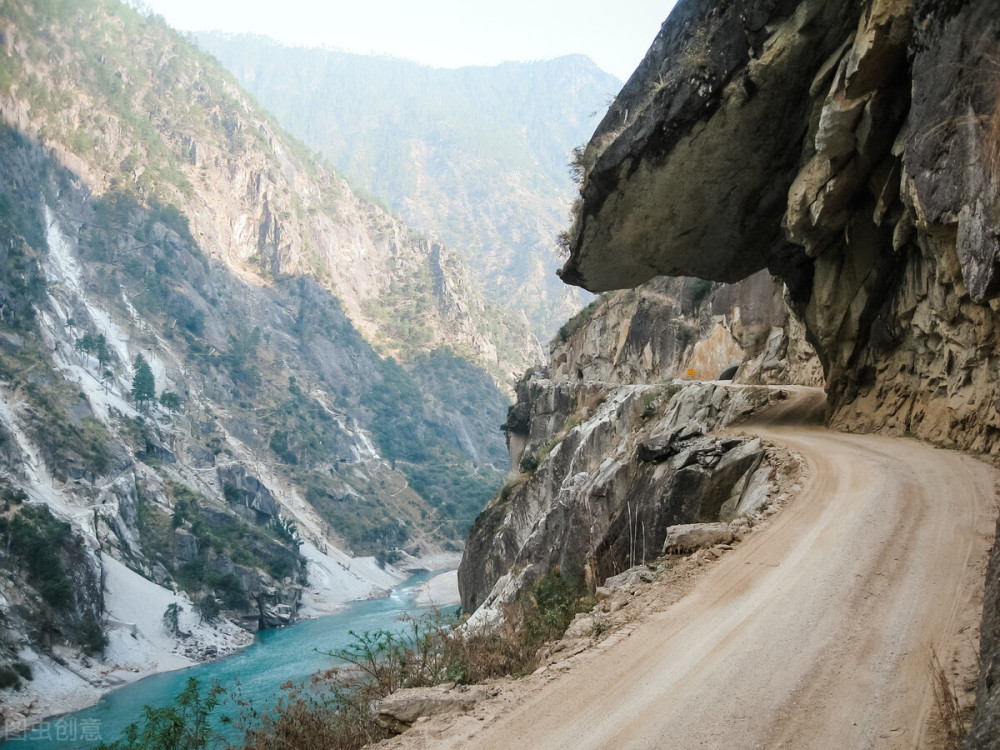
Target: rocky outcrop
(685,327)
(599,491)
(723,90)
(241,488)
(856,144)
(852,150)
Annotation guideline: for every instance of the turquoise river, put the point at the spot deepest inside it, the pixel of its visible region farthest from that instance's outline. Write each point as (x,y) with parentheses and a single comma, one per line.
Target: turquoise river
(276,657)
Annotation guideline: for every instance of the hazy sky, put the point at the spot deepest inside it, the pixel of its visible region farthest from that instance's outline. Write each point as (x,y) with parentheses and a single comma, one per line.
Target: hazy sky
(442,33)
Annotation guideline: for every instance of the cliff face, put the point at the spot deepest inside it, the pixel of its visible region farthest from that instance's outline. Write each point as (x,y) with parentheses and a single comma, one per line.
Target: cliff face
(610,447)
(857,145)
(599,495)
(851,149)
(134,110)
(475,156)
(669,326)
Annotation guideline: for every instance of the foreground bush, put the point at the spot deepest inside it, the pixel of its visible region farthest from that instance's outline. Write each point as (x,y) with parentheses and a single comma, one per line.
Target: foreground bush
(184,725)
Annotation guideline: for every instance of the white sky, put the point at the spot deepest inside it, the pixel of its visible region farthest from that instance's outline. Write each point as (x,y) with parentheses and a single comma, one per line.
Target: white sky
(441,33)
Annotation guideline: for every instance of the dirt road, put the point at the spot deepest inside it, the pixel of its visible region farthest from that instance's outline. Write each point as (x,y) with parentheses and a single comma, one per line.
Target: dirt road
(815,632)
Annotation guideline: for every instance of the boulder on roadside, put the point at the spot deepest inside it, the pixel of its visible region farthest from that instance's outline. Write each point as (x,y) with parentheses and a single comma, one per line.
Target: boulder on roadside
(628,579)
(398,711)
(689,537)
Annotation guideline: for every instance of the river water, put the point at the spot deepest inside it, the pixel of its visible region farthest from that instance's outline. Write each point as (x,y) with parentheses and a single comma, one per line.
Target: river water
(276,657)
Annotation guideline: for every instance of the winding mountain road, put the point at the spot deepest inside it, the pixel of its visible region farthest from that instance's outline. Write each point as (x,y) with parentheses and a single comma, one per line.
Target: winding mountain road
(815,632)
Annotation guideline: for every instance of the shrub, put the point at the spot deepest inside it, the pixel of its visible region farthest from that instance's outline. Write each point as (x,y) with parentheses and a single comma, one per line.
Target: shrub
(207,607)
(171,618)
(9,678)
(34,535)
(553,603)
(183,725)
(323,714)
(529,463)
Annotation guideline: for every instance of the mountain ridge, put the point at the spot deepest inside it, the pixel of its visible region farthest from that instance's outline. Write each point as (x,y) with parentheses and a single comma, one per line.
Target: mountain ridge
(476,155)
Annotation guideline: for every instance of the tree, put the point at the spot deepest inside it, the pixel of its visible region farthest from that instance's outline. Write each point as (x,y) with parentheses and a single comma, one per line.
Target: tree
(171,618)
(207,608)
(170,400)
(143,382)
(101,351)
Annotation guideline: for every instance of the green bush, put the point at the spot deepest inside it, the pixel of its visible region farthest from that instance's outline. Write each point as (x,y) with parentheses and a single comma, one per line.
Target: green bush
(529,463)
(183,725)
(553,603)
(9,678)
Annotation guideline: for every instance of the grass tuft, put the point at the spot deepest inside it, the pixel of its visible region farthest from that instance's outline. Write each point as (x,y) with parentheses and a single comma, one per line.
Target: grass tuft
(949,709)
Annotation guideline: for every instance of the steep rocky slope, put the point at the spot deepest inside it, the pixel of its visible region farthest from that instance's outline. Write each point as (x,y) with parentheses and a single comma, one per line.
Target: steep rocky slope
(148,208)
(476,156)
(851,149)
(612,444)
(878,219)
(136,111)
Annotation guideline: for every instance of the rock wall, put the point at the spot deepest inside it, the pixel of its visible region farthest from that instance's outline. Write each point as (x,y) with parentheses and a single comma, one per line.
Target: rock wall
(852,150)
(611,442)
(668,327)
(857,145)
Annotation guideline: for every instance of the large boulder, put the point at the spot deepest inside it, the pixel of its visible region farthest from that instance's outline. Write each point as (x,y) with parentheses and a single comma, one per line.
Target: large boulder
(401,709)
(689,537)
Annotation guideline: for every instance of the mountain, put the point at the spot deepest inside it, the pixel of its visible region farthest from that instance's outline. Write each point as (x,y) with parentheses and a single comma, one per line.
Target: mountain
(477,156)
(325,378)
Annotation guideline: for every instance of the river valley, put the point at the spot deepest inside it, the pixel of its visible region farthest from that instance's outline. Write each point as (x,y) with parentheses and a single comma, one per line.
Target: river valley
(255,674)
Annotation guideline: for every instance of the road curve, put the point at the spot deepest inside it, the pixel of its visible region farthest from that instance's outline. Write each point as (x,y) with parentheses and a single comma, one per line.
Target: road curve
(815,632)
